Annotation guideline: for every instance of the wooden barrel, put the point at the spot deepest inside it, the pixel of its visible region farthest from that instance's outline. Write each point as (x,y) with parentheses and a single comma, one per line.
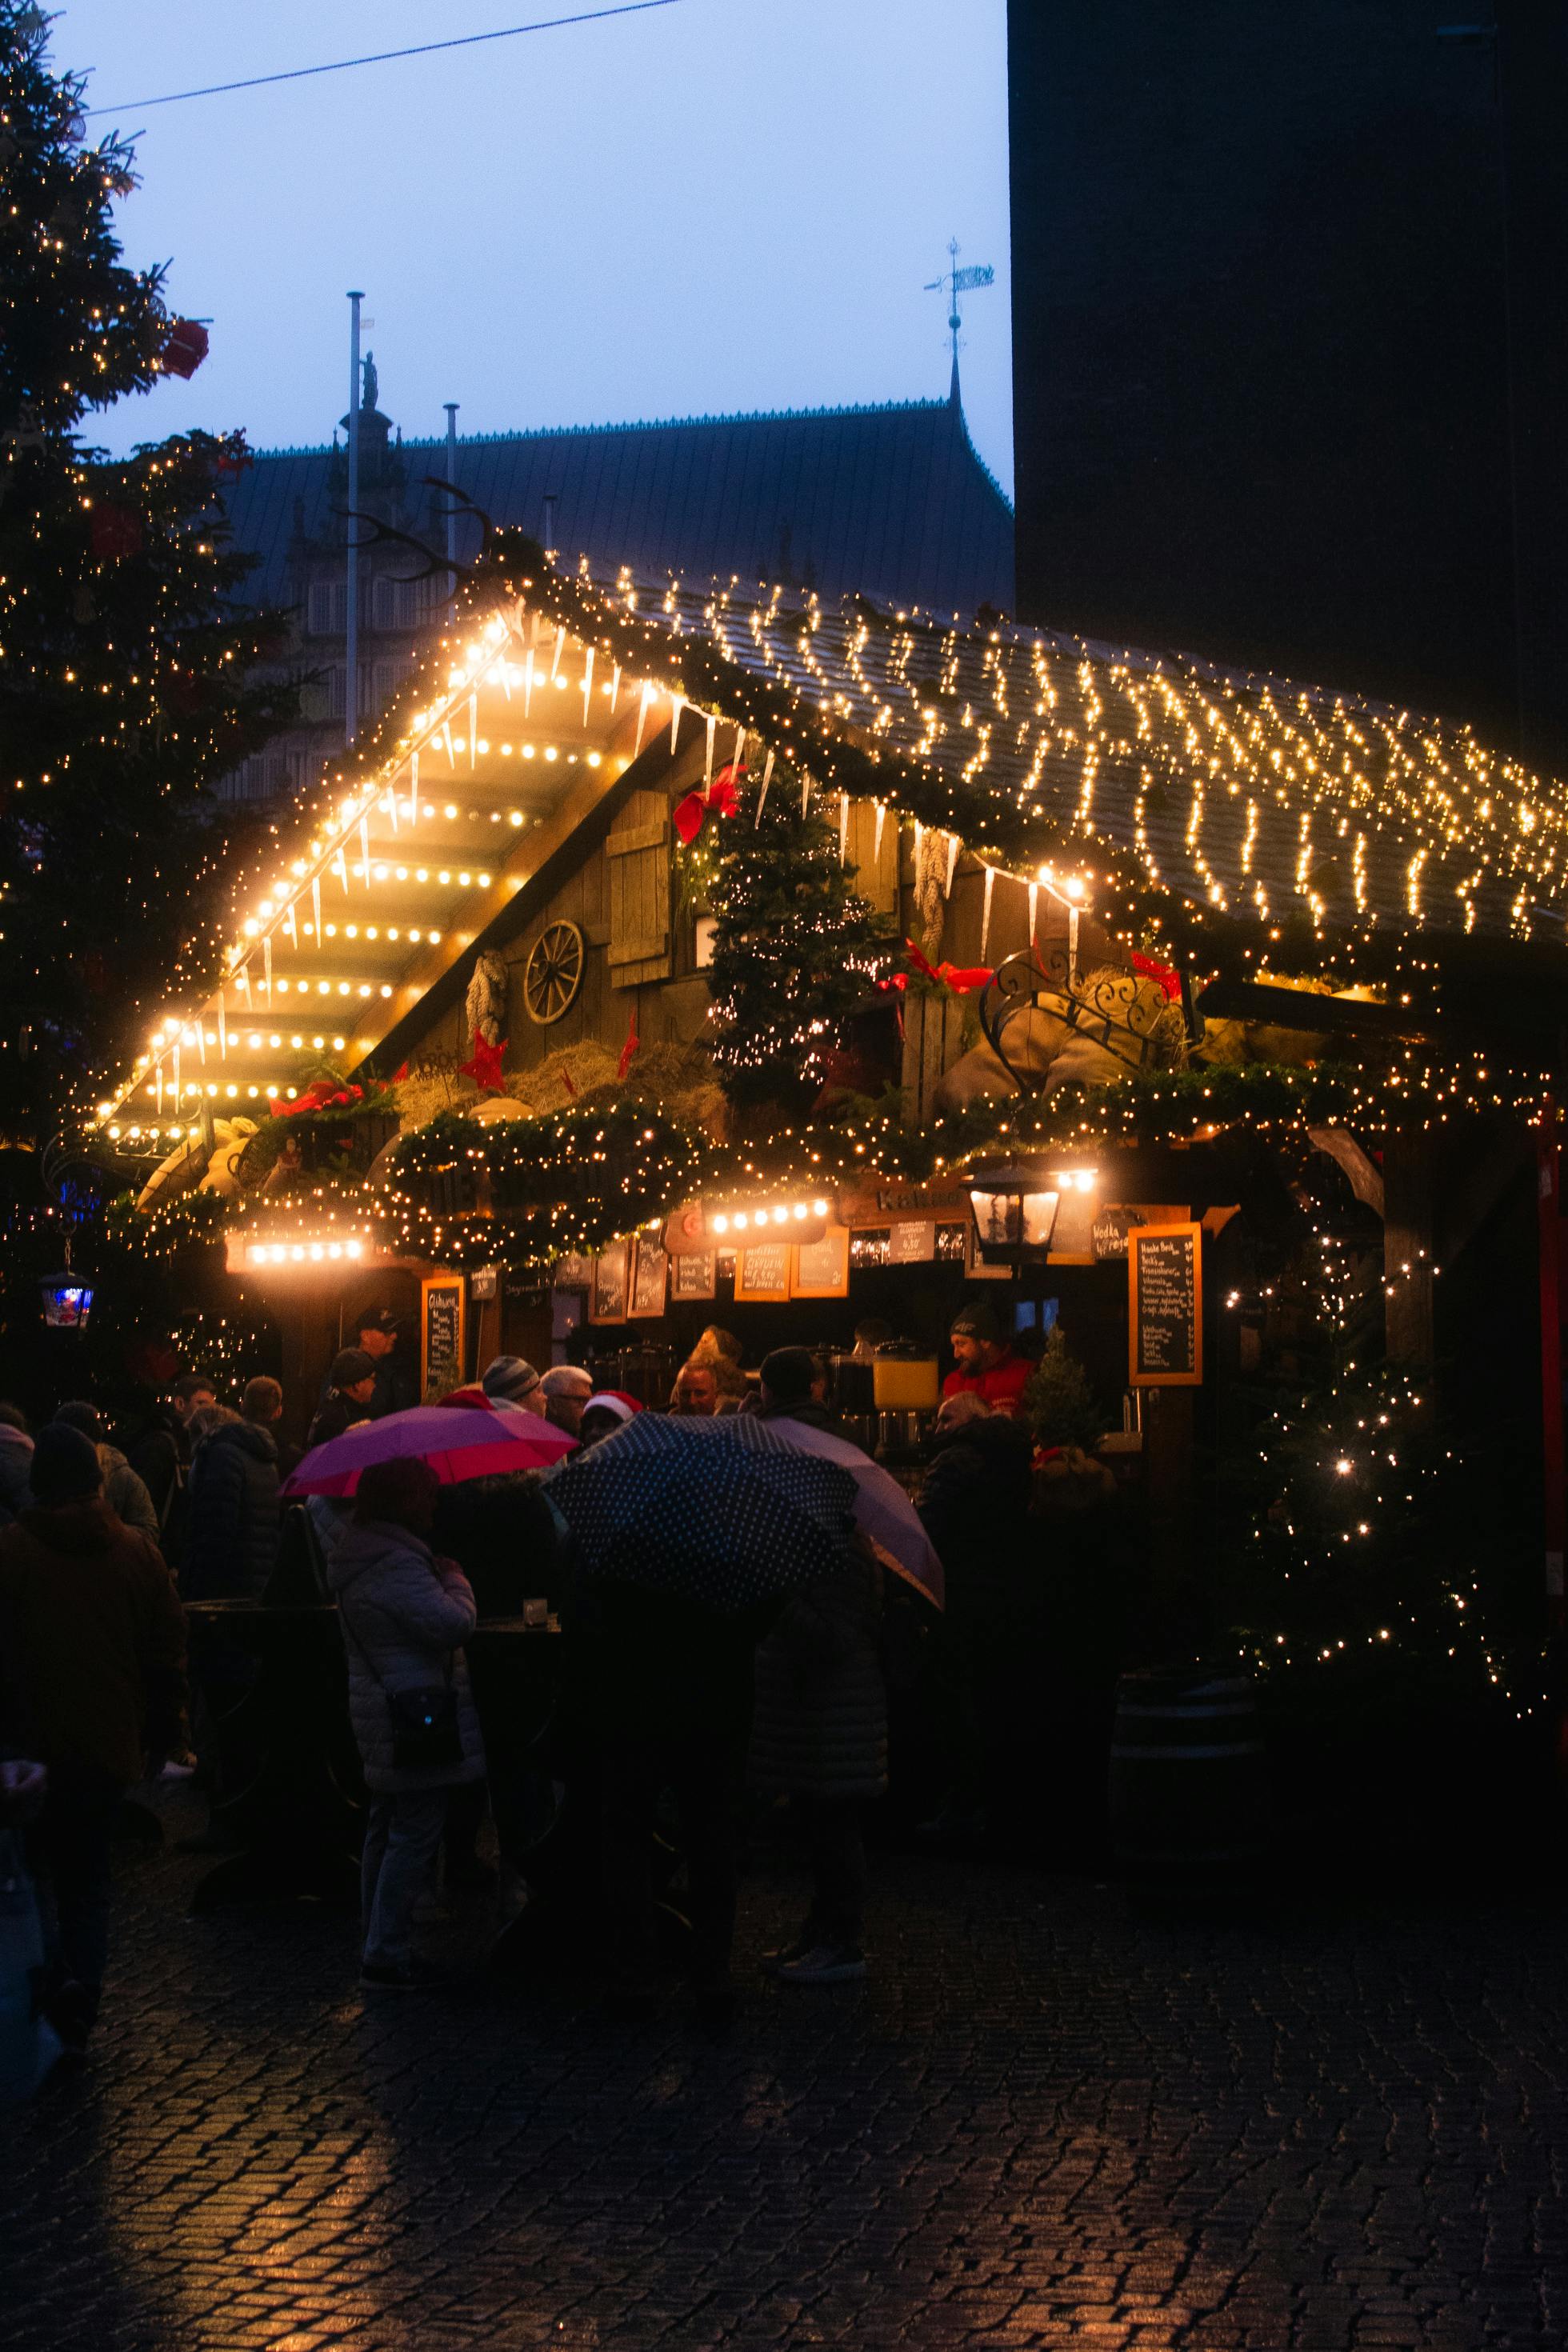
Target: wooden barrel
(1189,1790)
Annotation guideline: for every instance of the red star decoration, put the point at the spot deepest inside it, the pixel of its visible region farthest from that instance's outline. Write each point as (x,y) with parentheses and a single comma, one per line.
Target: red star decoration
(485,1068)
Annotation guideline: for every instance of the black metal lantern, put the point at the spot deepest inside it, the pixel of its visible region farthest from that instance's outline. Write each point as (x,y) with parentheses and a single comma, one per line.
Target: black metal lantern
(1014,1214)
(68,1301)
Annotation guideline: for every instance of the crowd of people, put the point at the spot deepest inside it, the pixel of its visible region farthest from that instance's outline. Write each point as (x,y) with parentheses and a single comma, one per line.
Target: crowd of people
(108,1529)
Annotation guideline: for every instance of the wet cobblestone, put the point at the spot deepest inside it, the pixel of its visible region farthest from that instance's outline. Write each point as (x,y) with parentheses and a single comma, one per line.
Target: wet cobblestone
(1045,2121)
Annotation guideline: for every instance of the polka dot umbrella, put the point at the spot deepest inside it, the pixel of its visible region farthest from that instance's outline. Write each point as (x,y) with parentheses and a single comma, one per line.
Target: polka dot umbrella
(720,1512)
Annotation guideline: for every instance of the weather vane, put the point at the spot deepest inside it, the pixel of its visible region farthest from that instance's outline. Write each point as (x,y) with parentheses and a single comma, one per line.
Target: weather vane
(953,283)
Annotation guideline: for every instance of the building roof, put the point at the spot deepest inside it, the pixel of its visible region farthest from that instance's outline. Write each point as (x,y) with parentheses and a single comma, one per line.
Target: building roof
(1255,800)
(893,500)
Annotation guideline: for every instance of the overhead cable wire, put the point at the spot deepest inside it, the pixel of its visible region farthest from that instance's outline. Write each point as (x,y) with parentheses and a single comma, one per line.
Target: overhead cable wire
(385,56)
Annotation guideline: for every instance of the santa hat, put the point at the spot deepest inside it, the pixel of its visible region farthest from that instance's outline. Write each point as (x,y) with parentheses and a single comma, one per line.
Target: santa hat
(615,1401)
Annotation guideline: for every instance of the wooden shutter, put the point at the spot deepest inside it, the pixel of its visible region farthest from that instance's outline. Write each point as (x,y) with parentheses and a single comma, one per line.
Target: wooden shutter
(638,854)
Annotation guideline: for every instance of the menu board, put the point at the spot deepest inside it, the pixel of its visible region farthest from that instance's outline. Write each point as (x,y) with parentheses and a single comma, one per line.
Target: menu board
(1165,1292)
(441,1332)
(607,1299)
(694,1274)
(821,1268)
(761,1271)
(911,1243)
(649,1268)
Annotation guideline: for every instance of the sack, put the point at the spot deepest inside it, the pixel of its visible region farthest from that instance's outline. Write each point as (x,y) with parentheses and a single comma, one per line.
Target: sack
(425,1730)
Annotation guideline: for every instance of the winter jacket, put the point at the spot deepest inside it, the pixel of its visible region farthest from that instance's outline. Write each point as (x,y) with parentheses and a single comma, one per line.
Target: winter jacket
(338,1414)
(820,1724)
(92,1642)
(503,1536)
(232,1517)
(126,1494)
(974,1506)
(1001,1385)
(16,1469)
(156,1453)
(810,1415)
(404,1614)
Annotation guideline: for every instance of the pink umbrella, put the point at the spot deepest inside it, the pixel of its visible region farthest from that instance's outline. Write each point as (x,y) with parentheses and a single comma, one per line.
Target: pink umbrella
(458,1444)
(883,1512)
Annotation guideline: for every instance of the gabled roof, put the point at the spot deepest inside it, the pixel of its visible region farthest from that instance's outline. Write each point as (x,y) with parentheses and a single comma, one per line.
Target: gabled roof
(1239,818)
(892,501)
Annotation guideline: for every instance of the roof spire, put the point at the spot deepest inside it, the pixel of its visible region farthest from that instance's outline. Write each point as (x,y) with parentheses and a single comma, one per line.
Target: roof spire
(953,283)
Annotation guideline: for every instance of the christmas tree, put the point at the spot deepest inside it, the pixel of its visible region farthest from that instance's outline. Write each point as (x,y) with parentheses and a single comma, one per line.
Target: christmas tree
(1059,1403)
(124,665)
(796,951)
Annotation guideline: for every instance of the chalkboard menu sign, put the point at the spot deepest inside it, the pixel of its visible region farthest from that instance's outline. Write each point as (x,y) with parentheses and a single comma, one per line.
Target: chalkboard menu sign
(1165,1297)
(649,1269)
(694,1274)
(441,1328)
(607,1299)
(762,1271)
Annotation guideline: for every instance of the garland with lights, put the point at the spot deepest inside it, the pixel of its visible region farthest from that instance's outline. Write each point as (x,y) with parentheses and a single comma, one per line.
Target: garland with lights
(125,665)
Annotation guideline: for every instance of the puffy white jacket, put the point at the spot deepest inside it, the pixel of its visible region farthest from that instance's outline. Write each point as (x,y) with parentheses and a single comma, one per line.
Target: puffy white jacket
(404,1615)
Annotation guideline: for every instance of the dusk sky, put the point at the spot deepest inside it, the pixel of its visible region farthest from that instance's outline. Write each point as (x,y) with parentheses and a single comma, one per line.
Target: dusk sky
(716,205)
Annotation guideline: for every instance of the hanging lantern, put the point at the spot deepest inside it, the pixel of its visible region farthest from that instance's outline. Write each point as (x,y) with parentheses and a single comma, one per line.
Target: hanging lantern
(68,1301)
(1014,1214)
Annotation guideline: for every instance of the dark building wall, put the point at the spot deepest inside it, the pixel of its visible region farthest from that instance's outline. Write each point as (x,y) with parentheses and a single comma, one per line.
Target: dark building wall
(1261,339)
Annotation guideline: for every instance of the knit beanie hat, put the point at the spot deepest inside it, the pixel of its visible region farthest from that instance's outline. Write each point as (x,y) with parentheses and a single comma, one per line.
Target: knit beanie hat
(976,1323)
(65,1466)
(351,1365)
(510,1377)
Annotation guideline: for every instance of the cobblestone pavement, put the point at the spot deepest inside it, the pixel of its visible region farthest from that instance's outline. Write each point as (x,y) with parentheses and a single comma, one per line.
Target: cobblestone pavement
(1045,2121)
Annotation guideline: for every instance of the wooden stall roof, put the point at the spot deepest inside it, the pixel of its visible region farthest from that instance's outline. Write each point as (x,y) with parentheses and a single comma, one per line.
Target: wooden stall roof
(1230,795)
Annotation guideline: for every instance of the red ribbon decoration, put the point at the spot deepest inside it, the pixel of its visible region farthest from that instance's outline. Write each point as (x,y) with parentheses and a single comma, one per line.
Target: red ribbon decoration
(630,1048)
(962,982)
(185,347)
(718,799)
(1169,980)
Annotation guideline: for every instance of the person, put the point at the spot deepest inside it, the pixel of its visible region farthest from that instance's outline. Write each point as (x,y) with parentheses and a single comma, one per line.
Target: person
(791,1386)
(664,1690)
(706,1386)
(16,1463)
(566,1389)
(351,1384)
(819,1737)
(28,2043)
(92,1685)
(974,1507)
(405,1614)
(511,1379)
(233,1513)
(983,1363)
(125,1494)
(192,1392)
(375,1335)
(261,1403)
(714,1342)
(606,1410)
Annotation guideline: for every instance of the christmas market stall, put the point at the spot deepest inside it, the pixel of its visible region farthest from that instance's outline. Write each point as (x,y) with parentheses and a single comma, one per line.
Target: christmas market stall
(678,956)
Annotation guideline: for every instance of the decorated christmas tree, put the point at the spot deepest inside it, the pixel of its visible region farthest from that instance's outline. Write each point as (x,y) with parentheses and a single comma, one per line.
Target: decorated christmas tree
(125,690)
(796,950)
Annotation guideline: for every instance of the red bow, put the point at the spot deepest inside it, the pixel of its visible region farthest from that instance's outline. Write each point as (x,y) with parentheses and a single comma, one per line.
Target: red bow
(961,982)
(718,798)
(323,1093)
(1148,969)
(484,1068)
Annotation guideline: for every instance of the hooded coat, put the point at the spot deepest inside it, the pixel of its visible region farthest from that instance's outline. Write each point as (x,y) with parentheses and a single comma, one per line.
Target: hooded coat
(126,1493)
(92,1642)
(232,1517)
(403,1613)
(819,1726)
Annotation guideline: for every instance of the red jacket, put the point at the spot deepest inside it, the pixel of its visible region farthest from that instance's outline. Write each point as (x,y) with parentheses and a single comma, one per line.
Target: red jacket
(1000,1386)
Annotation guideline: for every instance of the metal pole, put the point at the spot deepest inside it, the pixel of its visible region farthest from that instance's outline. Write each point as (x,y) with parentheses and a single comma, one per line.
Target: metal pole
(350,655)
(451,407)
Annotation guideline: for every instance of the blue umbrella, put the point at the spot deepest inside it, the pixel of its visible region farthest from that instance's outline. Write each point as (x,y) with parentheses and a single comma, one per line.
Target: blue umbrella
(719,1512)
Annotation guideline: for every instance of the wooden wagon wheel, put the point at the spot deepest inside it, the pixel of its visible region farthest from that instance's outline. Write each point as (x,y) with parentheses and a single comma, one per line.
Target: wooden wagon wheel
(553,972)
